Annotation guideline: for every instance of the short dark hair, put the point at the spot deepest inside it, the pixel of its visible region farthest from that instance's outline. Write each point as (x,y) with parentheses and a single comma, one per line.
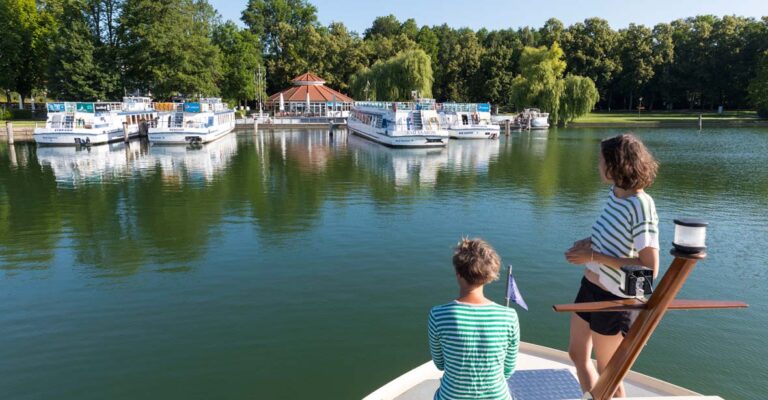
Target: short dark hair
(476,261)
(628,163)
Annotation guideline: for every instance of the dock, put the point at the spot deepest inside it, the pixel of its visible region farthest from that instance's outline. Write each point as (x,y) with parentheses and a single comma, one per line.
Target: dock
(290,123)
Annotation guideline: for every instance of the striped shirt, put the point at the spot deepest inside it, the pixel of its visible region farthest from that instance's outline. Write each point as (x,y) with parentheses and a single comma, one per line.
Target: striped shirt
(624,227)
(476,346)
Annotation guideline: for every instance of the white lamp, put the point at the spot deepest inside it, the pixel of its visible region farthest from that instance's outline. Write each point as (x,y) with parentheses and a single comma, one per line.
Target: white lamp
(690,235)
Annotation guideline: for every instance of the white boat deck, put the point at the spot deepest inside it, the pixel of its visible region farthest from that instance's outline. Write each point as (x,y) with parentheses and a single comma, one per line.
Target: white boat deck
(421,382)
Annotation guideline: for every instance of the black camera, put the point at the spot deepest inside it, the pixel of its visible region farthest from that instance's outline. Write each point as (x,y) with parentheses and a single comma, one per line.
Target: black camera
(636,280)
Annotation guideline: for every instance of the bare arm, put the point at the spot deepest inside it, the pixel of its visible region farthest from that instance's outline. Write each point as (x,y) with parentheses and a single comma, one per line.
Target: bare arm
(647,257)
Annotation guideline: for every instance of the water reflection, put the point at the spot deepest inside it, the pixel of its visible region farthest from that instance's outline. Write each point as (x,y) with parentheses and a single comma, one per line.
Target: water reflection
(74,166)
(167,203)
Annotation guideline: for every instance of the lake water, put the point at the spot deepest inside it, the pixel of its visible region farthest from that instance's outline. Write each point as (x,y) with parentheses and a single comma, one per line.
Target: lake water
(290,265)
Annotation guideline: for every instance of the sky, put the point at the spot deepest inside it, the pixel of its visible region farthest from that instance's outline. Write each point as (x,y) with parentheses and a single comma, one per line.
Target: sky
(358,15)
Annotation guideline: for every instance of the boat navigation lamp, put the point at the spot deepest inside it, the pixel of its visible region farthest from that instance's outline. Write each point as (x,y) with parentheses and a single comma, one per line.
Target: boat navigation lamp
(690,236)
(636,280)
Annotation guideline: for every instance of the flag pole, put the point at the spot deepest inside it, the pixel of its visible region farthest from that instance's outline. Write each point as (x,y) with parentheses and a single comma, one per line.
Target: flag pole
(509,274)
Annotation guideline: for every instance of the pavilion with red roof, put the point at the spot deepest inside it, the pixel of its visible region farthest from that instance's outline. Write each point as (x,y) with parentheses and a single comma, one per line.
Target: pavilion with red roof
(310,97)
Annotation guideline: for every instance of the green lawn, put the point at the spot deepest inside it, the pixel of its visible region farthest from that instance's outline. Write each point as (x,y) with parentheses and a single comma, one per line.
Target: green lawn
(21,123)
(663,116)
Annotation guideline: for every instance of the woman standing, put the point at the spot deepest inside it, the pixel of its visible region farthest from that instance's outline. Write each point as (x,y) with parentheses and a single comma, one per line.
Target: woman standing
(625,233)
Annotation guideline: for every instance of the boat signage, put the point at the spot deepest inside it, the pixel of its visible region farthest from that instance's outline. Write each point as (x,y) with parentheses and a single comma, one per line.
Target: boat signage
(192,107)
(55,107)
(484,107)
(101,107)
(85,107)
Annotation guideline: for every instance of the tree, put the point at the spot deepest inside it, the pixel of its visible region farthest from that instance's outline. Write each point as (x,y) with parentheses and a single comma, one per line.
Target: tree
(290,36)
(579,97)
(551,32)
(637,59)
(388,26)
(427,40)
(540,83)
(167,47)
(26,30)
(758,87)
(591,50)
(73,71)
(241,57)
(394,79)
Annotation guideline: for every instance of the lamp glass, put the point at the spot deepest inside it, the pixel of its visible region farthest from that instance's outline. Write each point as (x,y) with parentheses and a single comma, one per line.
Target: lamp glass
(690,236)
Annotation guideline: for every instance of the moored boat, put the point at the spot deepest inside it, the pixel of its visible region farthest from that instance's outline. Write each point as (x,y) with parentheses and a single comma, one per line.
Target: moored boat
(192,122)
(398,124)
(468,121)
(87,123)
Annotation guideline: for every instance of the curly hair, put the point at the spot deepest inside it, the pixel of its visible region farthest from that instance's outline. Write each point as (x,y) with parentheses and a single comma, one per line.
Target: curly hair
(628,163)
(476,261)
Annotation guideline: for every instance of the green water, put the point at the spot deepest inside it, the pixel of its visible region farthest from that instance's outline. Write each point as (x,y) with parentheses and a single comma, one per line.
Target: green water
(292,266)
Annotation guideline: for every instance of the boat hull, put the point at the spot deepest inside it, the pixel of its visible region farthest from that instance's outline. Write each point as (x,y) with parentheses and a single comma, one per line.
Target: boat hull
(539,123)
(474,132)
(185,136)
(71,137)
(422,381)
(401,141)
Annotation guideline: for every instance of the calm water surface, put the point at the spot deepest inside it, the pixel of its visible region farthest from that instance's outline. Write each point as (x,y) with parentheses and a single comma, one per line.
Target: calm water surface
(289,265)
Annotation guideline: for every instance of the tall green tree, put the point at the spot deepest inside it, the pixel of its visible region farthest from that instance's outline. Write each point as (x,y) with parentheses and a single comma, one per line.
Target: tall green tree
(74,72)
(167,47)
(758,87)
(591,50)
(241,58)
(637,60)
(579,97)
(394,79)
(288,30)
(540,82)
(26,29)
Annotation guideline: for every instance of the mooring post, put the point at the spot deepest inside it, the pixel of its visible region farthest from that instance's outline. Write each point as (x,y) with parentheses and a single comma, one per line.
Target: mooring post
(125,132)
(700,121)
(507,127)
(9,131)
(12,154)
(255,124)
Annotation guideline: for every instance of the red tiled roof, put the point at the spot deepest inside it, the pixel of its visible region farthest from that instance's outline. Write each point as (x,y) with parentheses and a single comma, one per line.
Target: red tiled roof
(317,93)
(308,77)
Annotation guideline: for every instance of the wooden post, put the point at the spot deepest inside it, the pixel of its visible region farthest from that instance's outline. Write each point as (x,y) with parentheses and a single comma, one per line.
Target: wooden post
(643,327)
(9,131)
(12,154)
(125,132)
(255,124)
(700,121)
(507,128)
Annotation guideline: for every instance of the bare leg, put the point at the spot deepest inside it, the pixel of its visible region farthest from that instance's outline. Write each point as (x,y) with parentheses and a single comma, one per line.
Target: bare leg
(605,346)
(580,351)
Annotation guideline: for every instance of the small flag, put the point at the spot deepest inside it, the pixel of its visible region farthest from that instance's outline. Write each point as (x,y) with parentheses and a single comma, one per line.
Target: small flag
(513,293)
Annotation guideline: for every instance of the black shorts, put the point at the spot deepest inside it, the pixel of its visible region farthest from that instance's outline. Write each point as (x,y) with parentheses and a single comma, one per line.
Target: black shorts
(604,323)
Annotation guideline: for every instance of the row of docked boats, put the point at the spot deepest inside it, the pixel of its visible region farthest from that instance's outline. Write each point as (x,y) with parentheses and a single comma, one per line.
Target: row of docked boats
(426,123)
(87,123)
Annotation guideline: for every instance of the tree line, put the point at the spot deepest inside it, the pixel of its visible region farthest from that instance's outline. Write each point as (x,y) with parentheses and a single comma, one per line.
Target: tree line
(102,49)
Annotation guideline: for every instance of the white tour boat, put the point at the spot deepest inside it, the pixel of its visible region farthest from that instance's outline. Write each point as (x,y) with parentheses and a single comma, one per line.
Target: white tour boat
(468,121)
(398,124)
(86,123)
(193,122)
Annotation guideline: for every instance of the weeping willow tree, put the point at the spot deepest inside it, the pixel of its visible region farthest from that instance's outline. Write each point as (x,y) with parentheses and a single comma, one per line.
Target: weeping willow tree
(395,78)
(540,82)
(579,97)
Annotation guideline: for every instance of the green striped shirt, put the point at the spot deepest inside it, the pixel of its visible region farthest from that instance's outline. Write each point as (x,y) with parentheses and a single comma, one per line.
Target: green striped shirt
(624,227)
(476,347)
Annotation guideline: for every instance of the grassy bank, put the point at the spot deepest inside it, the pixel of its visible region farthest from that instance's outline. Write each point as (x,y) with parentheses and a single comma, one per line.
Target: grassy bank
(668,118)
(20,123)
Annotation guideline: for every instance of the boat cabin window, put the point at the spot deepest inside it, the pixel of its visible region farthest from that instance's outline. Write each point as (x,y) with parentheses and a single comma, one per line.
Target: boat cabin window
(464,119)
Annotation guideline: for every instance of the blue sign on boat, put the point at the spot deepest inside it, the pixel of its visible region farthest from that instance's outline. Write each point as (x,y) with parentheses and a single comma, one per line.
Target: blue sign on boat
(55,107)
(192,107)
(484,107)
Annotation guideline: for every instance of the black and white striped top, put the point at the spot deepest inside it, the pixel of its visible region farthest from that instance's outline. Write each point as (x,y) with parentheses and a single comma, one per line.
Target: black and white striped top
(624,227)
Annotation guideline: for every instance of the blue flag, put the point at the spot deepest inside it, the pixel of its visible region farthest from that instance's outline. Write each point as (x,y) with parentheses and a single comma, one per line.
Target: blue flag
(513,293)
